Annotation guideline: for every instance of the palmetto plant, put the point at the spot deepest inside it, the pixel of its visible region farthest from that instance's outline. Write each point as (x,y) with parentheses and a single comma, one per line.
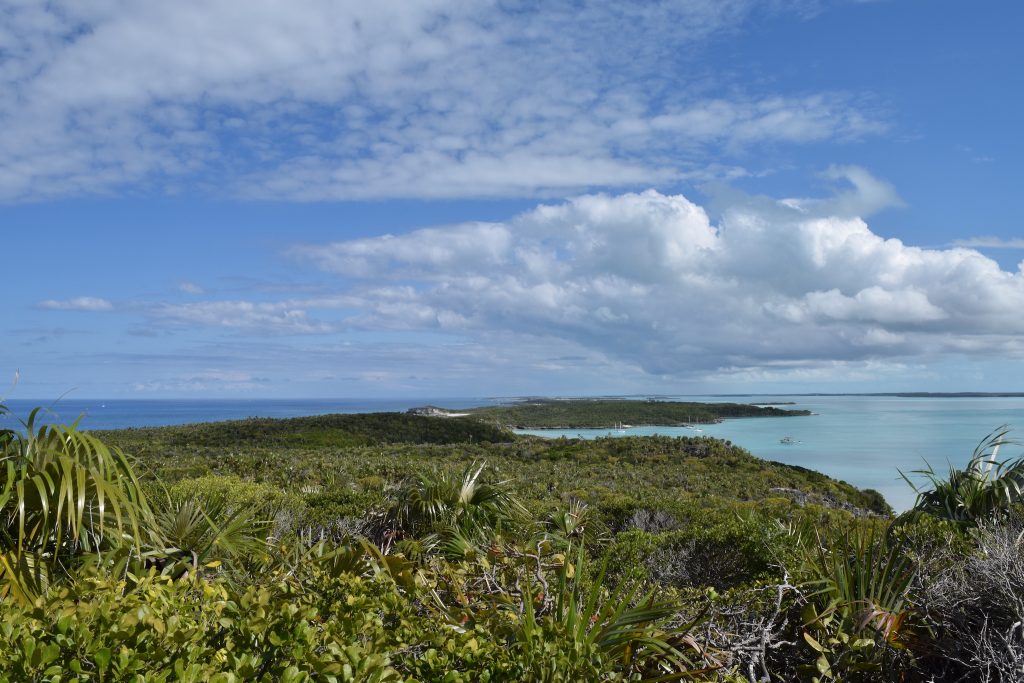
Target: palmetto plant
(64,497)
(577,523)
(195,532)
(985,489)
(467,504)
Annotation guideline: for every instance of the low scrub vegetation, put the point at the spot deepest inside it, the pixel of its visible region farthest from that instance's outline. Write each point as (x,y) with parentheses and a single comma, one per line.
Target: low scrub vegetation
(598,413)
(406,548)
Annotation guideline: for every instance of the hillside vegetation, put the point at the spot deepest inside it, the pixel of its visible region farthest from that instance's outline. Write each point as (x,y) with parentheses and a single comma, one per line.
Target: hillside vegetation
(317,431)
(606,413)
(394,547)
(621,473)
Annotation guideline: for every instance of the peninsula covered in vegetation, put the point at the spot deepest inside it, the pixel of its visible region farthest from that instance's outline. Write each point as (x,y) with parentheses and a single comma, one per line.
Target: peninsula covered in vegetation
(400,547)
(584,413)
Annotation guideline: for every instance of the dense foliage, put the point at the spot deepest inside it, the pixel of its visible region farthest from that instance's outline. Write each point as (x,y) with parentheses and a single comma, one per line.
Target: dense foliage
(616,475)
(321,431)
(402,548)
(607,413)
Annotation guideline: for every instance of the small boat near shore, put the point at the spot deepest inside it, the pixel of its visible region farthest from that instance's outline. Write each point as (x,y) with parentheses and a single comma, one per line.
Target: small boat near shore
(788,440)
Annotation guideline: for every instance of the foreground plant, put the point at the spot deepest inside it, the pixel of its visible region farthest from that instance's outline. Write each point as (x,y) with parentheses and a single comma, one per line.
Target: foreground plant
(194,630)
(858,614)
(579,634)
(986,489)
(66,499)
(197,533)
(456,516)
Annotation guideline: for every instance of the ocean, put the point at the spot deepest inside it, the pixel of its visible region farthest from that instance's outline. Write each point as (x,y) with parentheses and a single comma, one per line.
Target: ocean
(864,440)
(123,413)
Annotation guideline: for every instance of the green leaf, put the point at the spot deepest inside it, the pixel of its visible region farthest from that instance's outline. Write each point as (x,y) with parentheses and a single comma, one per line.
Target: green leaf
(812,642)
(822,665)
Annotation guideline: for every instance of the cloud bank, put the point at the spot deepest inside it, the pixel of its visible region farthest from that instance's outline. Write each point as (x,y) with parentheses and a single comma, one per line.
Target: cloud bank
(646,288)
(650,280)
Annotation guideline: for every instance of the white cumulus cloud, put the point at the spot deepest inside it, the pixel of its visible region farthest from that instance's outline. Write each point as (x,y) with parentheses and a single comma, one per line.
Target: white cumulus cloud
(649,279)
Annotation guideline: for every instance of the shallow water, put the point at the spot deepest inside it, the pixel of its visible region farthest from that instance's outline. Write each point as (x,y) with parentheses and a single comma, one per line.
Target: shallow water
(863,440)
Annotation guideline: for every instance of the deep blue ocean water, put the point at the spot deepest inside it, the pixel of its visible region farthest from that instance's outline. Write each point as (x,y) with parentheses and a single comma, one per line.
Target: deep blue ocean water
(120,413)
(863,440)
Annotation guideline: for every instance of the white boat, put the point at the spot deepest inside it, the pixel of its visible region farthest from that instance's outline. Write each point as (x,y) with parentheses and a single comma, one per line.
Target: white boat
(788,440)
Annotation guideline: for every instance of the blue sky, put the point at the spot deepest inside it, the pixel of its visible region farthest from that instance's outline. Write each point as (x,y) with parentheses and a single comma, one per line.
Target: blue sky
(435,198)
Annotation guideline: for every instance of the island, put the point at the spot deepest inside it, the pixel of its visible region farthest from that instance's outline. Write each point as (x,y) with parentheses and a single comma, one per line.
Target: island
(610,413)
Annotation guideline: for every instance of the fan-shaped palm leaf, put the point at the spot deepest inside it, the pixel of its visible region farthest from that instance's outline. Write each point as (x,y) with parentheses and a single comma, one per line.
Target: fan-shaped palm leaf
(435,502)
(578,523)
(860,576)
(197,532)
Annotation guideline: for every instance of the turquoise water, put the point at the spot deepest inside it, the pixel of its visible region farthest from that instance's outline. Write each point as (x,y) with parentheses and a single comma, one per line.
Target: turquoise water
(863,440)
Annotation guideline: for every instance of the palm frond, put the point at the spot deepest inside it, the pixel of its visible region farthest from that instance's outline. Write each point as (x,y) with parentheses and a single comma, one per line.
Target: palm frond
(201,531)
(985,488)
(65,495)
(440,501)
(578,523)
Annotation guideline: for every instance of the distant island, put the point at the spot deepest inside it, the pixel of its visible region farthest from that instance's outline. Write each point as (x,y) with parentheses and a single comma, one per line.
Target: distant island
(607,413)
(898,394)
(950,394)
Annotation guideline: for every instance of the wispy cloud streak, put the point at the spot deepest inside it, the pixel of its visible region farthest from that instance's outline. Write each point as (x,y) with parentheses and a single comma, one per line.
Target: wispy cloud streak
(327,101)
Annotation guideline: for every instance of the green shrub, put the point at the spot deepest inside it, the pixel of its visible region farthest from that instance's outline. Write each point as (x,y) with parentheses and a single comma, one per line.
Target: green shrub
(328,507)
(627,557)
(175,630)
